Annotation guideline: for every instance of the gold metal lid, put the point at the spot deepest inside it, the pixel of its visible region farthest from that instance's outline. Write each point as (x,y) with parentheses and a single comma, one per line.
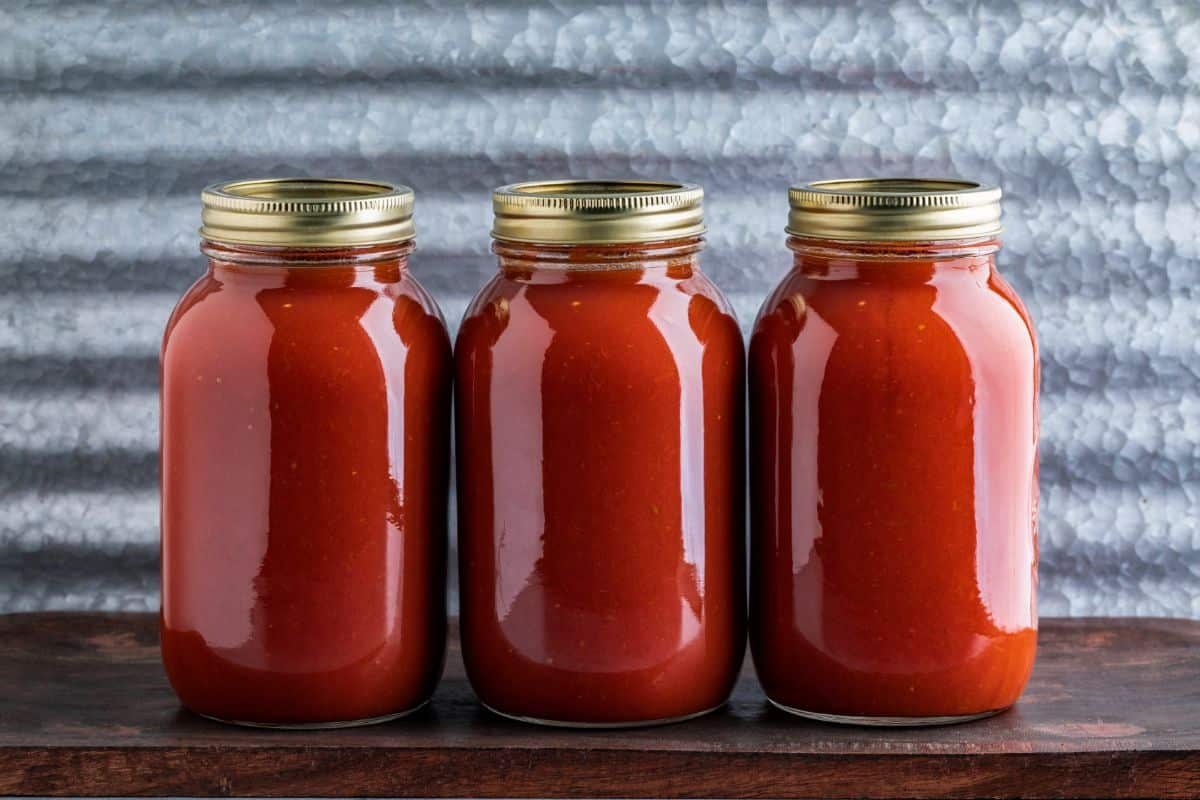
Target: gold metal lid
(894,209)
(307,212)
(597,212)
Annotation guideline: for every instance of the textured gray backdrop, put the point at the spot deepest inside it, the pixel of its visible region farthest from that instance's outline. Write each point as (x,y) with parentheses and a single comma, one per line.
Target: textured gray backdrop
(112,117)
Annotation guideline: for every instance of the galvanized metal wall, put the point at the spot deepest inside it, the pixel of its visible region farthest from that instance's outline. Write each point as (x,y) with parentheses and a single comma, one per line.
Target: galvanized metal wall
(112,116)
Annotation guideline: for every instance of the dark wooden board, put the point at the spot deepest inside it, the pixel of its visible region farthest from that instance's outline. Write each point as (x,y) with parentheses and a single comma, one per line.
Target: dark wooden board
(1113,711)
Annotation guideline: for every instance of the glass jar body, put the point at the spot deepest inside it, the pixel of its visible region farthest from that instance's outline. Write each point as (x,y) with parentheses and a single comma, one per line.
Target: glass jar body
(599,402)
(894,483)
(305,444)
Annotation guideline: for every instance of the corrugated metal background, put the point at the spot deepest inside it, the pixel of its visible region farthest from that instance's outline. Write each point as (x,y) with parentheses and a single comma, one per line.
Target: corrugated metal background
(112,116)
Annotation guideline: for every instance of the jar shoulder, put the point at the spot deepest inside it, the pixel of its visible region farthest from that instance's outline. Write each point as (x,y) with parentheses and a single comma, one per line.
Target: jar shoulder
(692,307)
(411,289)
(222,318)
(946,306)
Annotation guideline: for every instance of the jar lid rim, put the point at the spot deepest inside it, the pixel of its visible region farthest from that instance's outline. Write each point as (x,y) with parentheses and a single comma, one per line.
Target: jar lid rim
(894,209)
(597,211)
(307,212)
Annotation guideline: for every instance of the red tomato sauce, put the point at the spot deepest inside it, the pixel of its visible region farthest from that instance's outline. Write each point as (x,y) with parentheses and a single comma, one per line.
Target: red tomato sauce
(600,413)
(305,416)
(894,479)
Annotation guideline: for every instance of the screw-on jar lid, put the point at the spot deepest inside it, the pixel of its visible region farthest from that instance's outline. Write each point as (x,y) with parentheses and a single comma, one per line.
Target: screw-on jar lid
(894,209)
(597,212)
(307,212)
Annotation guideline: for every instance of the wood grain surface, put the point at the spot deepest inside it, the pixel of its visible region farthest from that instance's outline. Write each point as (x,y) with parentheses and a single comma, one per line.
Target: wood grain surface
(1113,711)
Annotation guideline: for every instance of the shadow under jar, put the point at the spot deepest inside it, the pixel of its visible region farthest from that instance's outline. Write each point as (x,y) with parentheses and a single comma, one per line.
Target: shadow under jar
(599,401)
(305,446)
(893,385)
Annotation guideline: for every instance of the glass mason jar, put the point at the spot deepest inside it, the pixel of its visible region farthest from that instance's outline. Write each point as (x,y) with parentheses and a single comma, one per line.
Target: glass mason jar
(599,434)
(893,391)
(305,447)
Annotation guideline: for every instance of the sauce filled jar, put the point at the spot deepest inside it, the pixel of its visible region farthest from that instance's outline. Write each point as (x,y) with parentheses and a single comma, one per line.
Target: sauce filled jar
(894,432)
(599,438)
(305,461)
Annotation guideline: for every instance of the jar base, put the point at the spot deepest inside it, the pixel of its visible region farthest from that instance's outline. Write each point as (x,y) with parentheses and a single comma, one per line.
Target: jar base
(886,722)
(559,723)
(316,726)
